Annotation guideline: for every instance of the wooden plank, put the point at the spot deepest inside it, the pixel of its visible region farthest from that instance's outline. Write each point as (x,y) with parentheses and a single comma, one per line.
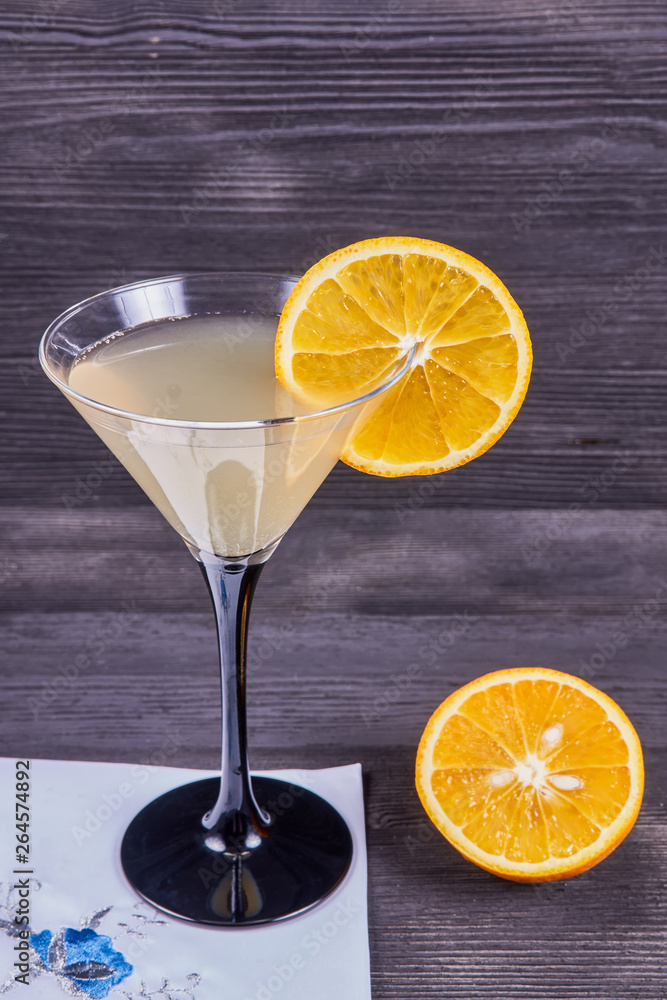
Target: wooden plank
(342,612)
(379,562)
(440,926)
(456,931)
(188,161)
(262,135)
(52,459)
(367,681)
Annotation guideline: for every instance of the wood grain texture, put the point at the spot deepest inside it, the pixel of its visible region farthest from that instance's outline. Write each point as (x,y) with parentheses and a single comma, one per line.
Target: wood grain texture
(262,137)
(147,139)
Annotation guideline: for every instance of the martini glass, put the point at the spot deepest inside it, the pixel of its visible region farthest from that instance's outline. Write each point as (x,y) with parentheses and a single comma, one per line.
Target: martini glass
(233,850)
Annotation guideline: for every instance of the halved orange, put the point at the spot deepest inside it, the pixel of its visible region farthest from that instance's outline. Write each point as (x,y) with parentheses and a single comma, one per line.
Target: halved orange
(359,310)
(531,773)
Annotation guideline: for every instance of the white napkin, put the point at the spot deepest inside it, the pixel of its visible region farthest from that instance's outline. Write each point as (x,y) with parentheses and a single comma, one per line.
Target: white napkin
(76,889)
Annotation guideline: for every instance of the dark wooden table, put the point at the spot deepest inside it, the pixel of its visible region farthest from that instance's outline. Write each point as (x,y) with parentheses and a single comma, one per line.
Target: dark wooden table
(143,139)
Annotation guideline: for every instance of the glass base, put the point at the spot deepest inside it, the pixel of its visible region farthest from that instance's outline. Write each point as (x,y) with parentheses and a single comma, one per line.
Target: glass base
(177,865)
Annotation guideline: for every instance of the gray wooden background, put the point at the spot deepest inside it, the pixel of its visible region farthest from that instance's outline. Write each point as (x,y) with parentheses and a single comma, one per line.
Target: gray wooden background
(140,139)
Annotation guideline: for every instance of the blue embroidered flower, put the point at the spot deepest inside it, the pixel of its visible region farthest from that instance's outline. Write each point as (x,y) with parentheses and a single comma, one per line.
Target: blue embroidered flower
(86,958)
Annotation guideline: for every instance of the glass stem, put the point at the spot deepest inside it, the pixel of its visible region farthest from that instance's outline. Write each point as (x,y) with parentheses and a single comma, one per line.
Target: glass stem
(235,821)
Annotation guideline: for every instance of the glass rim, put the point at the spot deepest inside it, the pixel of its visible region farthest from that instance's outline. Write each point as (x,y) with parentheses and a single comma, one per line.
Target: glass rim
(51,329)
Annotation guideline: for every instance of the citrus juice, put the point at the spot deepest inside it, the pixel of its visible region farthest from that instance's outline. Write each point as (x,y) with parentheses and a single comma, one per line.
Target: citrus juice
(230,491)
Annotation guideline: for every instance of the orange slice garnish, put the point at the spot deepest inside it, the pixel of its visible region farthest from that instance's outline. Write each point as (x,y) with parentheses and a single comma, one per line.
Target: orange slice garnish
(358,311)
